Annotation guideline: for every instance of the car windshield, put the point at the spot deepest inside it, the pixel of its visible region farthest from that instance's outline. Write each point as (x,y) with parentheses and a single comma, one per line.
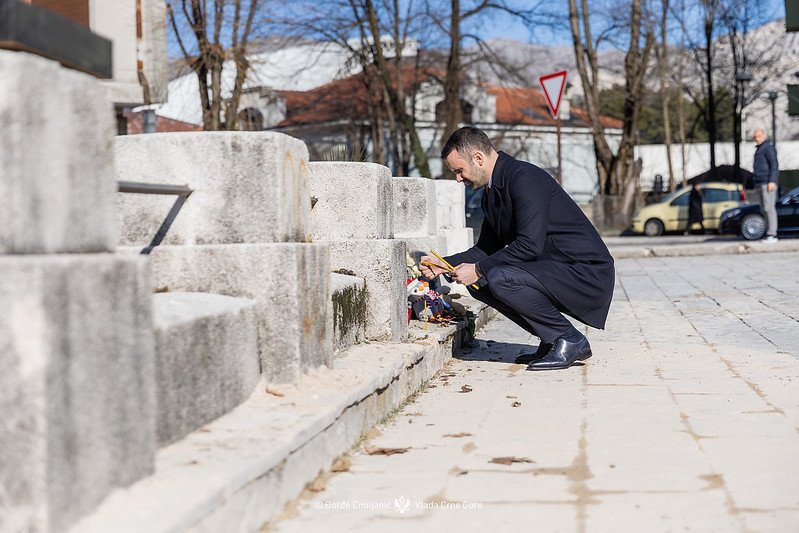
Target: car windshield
(673,195)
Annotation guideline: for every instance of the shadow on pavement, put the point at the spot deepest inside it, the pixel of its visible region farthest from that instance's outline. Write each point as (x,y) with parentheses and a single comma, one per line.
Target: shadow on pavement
(501,352)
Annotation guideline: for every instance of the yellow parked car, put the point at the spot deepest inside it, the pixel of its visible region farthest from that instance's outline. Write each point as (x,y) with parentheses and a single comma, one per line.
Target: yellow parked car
(671,213)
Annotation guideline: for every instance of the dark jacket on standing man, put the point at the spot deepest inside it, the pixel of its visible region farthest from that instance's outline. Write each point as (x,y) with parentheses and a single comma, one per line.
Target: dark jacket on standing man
(531,222)
(765,168)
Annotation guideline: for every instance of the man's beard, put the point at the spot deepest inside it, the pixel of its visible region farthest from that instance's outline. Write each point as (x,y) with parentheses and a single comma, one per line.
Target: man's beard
(480,175)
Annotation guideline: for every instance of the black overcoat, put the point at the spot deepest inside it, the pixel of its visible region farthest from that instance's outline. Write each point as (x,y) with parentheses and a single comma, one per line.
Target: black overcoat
(695,207)
(532,223)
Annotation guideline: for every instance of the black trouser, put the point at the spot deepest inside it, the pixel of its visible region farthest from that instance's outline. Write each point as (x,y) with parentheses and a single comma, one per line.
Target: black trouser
(519,295)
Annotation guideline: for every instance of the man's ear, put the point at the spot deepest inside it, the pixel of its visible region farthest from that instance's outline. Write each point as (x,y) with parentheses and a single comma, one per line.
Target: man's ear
(478,157)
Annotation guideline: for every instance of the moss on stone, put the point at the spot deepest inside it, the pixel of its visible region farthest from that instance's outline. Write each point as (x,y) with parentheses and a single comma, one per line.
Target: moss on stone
(349,310)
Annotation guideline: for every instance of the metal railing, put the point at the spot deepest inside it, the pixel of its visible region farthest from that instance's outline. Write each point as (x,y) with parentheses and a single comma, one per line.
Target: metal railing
(181,191)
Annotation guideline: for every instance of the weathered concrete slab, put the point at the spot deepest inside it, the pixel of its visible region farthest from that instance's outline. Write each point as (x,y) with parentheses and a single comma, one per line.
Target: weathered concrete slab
(206,358)
(414,206)
(381,263)
(349,311)
(77,387)
(290,283)
(354,201)
(450,204)
(57,187)
(249,187)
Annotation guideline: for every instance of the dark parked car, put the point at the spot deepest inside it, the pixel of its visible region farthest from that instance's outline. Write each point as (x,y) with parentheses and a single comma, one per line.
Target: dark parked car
(749,221)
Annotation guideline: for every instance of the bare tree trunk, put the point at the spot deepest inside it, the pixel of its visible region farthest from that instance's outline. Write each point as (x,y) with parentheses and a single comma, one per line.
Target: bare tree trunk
(665,92)
(453,113)
(586,58)
(710,114)
(397,103)
(209,61)
(630,190)
(239,51)
(612,169)
(681,118)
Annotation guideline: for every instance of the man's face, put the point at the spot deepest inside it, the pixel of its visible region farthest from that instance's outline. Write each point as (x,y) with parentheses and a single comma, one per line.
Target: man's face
(467,170)
(760,136)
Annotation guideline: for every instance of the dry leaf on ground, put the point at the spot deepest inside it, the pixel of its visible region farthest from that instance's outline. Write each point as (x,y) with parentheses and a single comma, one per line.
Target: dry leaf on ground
(466,388)
(510,460)
(385,451)
(516,404)
(274,391)
(457,435)
(342,464)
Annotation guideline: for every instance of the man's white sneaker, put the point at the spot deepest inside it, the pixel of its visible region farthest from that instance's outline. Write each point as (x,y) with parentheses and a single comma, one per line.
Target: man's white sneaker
(769,239)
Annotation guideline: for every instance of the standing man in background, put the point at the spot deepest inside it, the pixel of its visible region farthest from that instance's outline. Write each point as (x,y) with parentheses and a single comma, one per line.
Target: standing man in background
(766,177)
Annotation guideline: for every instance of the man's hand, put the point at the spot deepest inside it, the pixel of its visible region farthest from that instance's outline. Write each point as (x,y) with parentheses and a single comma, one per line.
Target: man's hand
(428,271)
(465,274)
(771,186)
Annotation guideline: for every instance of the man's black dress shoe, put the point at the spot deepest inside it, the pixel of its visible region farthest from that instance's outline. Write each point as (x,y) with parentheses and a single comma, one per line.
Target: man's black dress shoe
(526,358)
(563,354)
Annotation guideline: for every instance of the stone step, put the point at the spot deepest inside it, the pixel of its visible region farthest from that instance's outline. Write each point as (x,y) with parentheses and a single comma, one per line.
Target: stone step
(206,359)
(289,282)
(237,472)
(349,311)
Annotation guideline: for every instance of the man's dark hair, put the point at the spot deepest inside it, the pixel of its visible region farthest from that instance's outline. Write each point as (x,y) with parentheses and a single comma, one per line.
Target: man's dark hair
(465,139)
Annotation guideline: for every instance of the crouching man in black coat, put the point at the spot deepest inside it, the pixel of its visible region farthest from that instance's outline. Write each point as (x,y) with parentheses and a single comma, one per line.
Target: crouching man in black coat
(538,256)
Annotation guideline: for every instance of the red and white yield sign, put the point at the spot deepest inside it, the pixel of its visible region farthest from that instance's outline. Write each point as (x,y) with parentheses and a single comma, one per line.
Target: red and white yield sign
(552,86)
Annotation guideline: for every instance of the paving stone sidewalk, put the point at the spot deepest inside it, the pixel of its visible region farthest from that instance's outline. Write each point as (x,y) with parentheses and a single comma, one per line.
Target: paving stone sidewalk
(686,418)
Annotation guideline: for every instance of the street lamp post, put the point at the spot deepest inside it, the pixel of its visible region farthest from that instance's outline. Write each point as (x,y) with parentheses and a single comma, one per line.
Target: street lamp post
(772,95)
(740,79)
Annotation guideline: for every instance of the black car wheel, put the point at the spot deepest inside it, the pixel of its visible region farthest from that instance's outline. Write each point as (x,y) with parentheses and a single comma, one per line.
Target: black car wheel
(653,227)
(753,227)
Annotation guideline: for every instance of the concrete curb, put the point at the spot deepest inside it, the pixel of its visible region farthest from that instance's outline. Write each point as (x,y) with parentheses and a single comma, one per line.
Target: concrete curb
(237,472)
(687,250)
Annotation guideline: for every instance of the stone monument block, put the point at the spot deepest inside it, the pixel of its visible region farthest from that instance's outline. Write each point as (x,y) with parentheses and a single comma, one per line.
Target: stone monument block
(354,201)
(451,204)
(414,206)
(206,358)
(57,186)
(455,240)
(77,387)
(381,263)
(249,187)
(349,311)
(289,282)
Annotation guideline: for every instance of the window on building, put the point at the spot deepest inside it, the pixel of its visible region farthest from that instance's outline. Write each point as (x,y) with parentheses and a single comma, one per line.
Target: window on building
(466,109)
(251,119)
